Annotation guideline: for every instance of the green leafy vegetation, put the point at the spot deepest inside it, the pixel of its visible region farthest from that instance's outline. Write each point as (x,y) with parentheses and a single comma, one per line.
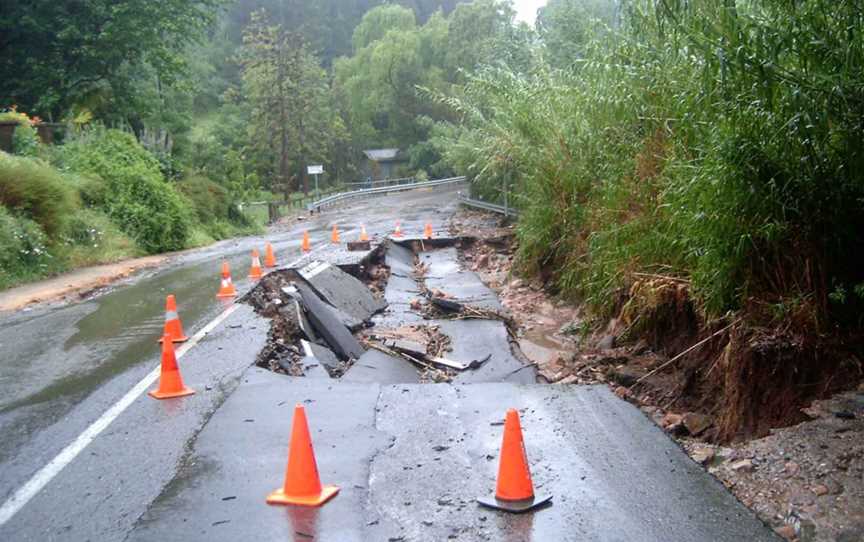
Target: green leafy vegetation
(714,142)
(135,194)
(23,249)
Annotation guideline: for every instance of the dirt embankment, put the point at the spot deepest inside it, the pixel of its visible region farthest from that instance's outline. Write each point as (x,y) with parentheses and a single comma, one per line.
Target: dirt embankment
(775,414)
(75,284)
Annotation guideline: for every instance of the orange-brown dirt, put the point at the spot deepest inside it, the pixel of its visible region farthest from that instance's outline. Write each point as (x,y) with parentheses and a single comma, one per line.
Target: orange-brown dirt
(74,284)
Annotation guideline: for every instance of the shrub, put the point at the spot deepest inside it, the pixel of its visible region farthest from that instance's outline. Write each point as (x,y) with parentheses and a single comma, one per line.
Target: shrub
(90,237)
(726,153)
(136,196)
(209,199)
(37,190)
(218,216)
(25,141)
(23,249)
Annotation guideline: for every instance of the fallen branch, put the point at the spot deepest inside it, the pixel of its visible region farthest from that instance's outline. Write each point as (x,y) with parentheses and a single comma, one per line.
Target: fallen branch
(666,277)
(682,354)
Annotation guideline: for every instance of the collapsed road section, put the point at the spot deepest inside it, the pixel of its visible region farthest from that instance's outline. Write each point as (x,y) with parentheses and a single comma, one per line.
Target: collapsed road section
(405,369)
(406,313)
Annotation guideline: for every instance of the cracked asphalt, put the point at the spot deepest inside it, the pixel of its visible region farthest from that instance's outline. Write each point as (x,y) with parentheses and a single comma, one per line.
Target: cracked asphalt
(410,458)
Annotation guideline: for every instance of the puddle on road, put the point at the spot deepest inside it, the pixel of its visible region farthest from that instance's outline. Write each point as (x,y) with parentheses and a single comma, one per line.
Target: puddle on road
(112,333)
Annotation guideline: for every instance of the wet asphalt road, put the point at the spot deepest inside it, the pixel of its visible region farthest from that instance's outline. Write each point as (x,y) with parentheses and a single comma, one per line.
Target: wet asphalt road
(62,365)
(199,467)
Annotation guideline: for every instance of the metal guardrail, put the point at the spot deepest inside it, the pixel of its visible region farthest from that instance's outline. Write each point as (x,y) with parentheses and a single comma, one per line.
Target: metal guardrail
(343,196)
(384,182)
(485,205)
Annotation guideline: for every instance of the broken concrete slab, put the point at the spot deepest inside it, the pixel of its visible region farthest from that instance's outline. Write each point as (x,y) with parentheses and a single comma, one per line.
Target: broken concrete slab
(399,293)
(475,340)
(401,290)
(465,287)
(325,322)
(397,314)
(320,354)
(303,322)
(352,262)
(341,290)
(399,259)
(376,366)
(349,321)
(411,348)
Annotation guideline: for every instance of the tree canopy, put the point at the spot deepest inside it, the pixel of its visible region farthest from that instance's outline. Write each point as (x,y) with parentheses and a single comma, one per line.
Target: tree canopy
(54,55)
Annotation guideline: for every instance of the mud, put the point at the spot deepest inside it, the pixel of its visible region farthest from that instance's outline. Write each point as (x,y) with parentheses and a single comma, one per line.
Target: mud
(282,353)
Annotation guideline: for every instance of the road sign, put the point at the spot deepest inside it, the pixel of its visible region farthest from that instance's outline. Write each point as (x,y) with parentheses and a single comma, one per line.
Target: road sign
(315,170)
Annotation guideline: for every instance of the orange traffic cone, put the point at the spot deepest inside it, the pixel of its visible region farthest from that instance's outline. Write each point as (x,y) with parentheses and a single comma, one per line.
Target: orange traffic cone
(363,236)
(226,287)
(170,381)
(269,257)
(427,231)
(334,235)
(306,247)
(173,326)
(302,485)
(398,231)
(255,270)
(514,491)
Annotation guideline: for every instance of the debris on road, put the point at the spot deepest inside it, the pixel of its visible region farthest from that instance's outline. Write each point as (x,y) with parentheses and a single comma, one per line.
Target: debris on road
(354,246)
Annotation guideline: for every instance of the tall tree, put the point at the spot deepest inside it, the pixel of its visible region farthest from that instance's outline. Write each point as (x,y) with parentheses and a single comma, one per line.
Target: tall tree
(56,54)
(288,93)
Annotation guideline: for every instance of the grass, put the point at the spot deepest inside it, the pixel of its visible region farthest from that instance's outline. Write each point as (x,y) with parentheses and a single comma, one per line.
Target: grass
(714,142)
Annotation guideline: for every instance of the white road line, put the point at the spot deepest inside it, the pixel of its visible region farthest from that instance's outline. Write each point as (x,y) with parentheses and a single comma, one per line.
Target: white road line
(42,477)
(39,480)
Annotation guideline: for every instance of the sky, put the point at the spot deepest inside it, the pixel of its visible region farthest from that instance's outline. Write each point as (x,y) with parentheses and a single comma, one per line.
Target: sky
(526,10)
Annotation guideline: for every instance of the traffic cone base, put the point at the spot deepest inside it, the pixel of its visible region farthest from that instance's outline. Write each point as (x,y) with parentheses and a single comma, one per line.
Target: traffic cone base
(302,485)
(279,497)
(514,491)
(226,286)
(156,394)
(515,507)
(227,290)
(170,381)
(180,339)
